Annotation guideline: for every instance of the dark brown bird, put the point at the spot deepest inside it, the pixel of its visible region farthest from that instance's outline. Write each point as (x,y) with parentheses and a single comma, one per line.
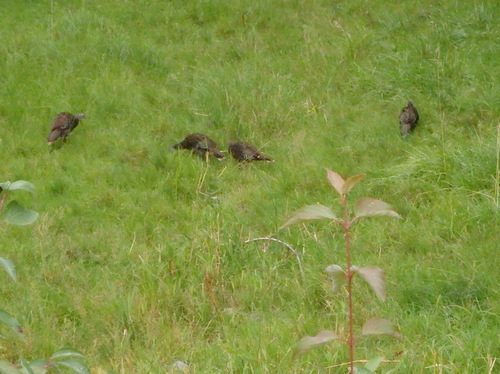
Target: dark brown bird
(408,119)
(200,144)
(62,126)
(243,151)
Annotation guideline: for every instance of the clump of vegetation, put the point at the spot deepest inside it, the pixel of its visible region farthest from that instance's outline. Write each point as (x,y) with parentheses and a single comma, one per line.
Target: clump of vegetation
(16,214)
(373,275)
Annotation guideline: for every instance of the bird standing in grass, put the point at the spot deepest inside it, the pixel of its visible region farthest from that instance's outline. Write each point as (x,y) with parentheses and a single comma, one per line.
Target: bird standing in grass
(243,151)
(200,144)
(408,119)
(62,126)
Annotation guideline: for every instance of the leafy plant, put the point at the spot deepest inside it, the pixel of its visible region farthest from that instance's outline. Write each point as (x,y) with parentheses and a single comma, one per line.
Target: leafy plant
(373,275)
(62,358)
(14,213)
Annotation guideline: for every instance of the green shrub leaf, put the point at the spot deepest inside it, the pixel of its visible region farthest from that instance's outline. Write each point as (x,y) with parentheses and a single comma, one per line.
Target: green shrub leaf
(16,214)
(310,213)
(39,366)
(336,181)
(309,342)
(367,207)
(338,277)
(65,353)
(9,320)
(9,267)
(374,276)
(374,363)
(26,367)
(22,185)
(8,368)
(380,326)
(74,365)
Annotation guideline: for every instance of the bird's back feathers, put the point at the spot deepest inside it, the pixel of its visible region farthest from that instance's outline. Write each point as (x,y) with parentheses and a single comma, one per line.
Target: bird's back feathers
(243,151)
(408,119)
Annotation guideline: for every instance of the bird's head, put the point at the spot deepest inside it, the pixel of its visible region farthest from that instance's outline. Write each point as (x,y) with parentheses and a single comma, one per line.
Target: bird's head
(410,102)
(80,116)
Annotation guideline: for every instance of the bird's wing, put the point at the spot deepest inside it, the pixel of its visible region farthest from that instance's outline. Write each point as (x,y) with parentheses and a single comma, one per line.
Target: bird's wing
(62,121)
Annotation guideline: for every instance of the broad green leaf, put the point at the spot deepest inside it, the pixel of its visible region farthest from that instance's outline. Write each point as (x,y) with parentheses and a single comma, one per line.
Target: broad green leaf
(336,181)
(310,213)
(380,326)
(39,366)
(351,182)
(9,320)
(338,277)
(5,186)
(374,363)
(9,267)
(65,353)
(367,207)
(374,276)
(309,342)
(23,185)
(8,368)
(26,367)
(16,214)
(74,365)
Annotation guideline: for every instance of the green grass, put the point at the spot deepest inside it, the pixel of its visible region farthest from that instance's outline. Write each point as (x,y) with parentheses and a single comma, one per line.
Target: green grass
(138,257)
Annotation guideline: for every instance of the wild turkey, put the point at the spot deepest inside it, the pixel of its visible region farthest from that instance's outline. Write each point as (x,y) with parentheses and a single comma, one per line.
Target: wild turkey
(62,125)
(408,119)
(200,144)
(243,151)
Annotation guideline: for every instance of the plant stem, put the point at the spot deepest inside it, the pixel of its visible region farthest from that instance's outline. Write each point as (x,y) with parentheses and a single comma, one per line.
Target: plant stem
(2,202)
(347,225)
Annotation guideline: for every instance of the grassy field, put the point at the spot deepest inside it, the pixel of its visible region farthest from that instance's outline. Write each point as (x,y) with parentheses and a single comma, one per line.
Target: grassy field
(138,258)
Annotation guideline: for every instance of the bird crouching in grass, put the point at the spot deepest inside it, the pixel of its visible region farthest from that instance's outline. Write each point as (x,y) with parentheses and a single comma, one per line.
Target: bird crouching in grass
(62,125)
(243,151)
(200,144)
(408,119)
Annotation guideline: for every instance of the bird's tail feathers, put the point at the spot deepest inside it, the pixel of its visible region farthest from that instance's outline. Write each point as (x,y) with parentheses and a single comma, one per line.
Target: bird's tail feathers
(53,136)
(218,154)
(263,157)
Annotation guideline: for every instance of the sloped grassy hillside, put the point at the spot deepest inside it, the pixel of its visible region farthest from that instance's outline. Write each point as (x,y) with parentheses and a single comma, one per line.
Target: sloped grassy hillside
(138,258)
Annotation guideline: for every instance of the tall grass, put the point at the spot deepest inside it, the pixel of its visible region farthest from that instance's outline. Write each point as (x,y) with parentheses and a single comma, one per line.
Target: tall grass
(138,257)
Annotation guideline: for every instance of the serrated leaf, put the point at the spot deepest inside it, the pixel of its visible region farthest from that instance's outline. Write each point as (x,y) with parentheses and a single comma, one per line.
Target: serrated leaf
(16,214)
(310,213)
(368,206)
(380,326)
(351,182)
(336,181)
(8,368)
(309,342)
(65,353)
(22,185)
(76,366)
(374,276)
(9,267)
(338,277)
(10,321)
